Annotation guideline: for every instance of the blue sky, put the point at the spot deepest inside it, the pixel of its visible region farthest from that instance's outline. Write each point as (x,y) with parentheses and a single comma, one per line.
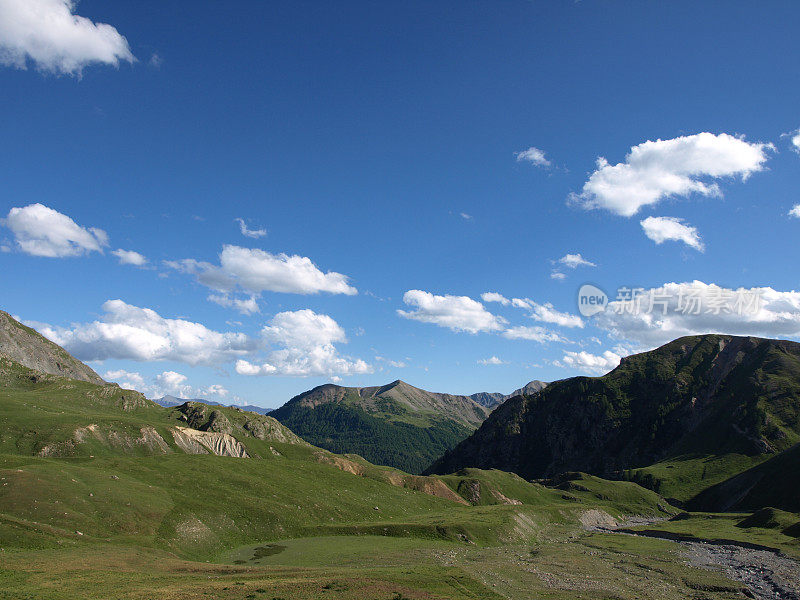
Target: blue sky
(383,146)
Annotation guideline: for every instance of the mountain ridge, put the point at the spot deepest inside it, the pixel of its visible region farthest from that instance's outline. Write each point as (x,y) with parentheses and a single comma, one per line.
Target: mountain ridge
(698,396)
(29,348)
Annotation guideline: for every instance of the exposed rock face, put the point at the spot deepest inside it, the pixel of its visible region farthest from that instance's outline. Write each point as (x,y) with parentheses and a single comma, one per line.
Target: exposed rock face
(704,394)
(193,441)
(234,421)
(25,346)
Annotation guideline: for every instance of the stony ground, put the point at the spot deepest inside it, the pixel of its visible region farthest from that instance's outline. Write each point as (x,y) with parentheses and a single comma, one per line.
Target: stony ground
(767,575)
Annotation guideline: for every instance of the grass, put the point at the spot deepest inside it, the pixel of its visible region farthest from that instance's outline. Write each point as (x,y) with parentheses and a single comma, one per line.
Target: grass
(684,477)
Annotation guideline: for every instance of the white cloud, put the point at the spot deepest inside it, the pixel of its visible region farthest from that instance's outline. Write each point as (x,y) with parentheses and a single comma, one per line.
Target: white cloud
(166,383)
(256,271)
(251,233)
(591,363)
(459,313)
(129,257)
(130,332)
(568,261)
(533,334)
(795,212)
(696,308)
(49,34)
(534,156)
(794,139)
(306,343)
(548,314)
(303,329)
(491,361)
(246,306)
(573,261)
(495,297)
(42,231)
(465,216)
(662,229)
(682,166)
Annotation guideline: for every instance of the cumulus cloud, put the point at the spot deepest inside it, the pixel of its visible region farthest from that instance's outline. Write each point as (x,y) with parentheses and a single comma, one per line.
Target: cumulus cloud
(166,383)
(681,166)
(590,363)
(256,271)
(558,275)
(495,297)
(546,313)
(141,334)
(459,313)
(533,334)
(491,361)
(246,306)
(534,156)
(653,317)
(573,261)
(663,229)
(42,231)
(251,233)
(129,257)
(48,34)
(795,212)
(306,346)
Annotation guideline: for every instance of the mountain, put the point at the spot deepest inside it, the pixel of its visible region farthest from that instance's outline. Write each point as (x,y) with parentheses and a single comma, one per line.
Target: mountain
(529,388)
(681,418)
(30,349)
(169,401)
(396,424)
(488,399)
(493,399)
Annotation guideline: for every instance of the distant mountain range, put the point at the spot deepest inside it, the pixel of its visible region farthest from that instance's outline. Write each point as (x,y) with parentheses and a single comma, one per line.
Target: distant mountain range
(492,399)
(396,424)
(685,417)
(170,401)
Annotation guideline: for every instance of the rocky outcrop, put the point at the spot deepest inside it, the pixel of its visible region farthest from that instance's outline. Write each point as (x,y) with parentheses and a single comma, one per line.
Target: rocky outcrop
(234,421)
(193,441)
(27,347)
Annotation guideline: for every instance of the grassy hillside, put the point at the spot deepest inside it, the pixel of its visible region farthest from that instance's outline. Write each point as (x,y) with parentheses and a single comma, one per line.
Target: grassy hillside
(775,482)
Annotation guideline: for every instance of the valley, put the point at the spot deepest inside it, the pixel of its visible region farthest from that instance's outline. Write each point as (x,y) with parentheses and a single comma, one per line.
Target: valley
(105,493)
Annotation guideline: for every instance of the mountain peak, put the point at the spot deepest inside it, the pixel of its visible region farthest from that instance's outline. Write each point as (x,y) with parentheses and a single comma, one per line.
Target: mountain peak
(29,348)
